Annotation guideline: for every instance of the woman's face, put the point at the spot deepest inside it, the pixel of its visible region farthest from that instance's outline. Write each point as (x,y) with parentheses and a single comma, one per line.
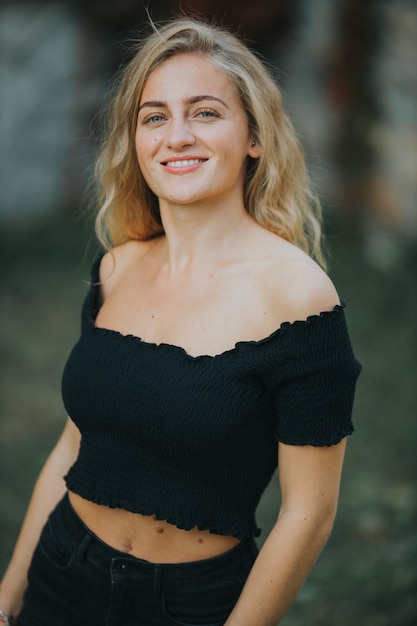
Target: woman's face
(192,138)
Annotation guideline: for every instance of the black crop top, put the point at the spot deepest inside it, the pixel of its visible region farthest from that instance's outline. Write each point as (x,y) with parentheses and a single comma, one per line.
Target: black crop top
(193,440)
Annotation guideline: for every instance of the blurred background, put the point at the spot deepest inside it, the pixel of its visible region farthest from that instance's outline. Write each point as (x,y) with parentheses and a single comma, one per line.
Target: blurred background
(347,71)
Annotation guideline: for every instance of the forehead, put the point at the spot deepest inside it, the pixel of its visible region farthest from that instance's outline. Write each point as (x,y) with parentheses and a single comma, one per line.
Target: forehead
(190,73)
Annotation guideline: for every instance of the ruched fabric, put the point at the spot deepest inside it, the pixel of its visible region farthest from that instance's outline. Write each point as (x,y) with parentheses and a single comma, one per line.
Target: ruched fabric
(193,440)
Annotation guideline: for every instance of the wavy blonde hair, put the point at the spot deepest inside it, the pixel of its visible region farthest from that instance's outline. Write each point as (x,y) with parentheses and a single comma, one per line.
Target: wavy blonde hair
(277,191)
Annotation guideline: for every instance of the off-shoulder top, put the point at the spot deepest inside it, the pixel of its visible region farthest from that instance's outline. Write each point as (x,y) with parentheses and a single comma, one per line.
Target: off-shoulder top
(193,440)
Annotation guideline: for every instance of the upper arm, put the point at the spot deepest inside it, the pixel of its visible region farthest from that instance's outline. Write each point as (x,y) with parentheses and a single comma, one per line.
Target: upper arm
(310,477)
(314,402)
(313,378)
(66,449)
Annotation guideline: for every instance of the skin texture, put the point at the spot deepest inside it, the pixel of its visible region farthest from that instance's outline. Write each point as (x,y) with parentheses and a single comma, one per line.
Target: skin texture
(215,278)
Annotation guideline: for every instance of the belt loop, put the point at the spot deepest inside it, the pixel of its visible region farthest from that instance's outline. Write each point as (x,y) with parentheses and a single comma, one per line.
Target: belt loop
(157,579)
(82,548)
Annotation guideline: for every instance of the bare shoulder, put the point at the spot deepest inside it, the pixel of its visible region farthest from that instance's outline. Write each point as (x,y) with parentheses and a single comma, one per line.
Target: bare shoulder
(296,286)
(117,261)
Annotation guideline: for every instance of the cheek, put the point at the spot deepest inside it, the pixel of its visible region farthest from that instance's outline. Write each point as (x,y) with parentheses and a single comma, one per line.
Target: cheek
(146,146)
(141,152)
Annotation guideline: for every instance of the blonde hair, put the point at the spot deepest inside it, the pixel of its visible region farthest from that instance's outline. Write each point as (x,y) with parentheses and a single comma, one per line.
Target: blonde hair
(277,191)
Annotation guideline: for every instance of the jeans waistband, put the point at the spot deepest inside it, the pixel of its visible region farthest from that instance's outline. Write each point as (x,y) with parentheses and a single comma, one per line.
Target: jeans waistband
(105,556)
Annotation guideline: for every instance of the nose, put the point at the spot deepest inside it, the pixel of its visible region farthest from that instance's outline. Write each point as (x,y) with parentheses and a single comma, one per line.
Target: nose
(179,134)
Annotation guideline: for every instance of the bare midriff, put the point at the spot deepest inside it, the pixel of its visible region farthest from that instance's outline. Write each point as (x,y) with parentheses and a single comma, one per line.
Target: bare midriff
(148,538)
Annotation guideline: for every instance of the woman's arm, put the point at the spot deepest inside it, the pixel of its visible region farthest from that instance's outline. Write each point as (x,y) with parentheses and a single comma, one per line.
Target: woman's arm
(309,479)
(48,490)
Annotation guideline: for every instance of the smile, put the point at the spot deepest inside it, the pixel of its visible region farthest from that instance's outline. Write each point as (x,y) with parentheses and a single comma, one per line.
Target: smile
(183,162)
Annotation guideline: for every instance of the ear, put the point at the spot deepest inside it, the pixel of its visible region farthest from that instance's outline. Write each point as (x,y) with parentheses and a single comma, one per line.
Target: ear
(254,150)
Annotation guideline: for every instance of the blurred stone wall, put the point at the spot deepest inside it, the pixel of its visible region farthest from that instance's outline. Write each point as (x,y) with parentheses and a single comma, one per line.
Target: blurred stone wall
(395,133)
(348,74)
(38,67)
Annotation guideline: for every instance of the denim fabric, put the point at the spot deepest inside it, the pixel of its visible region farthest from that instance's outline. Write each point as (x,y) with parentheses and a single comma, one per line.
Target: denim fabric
(75,579)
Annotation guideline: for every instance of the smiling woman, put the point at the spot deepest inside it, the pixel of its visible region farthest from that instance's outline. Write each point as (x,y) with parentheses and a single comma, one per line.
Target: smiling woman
(213,345)
(183,131)
(277,192)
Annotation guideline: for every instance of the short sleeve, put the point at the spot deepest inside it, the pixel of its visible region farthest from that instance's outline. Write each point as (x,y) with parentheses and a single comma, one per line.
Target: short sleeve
(314,386)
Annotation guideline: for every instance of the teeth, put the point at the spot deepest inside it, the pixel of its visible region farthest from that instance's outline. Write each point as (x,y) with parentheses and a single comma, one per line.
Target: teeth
(184,163)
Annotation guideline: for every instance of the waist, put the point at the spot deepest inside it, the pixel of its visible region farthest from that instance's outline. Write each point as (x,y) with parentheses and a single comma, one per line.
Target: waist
(146,537)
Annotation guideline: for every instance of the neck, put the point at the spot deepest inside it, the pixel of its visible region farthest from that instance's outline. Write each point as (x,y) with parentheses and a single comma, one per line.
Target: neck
(197,236)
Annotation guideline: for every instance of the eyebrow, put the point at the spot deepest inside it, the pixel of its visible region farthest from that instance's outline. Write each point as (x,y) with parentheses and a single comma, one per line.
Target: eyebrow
(192,100)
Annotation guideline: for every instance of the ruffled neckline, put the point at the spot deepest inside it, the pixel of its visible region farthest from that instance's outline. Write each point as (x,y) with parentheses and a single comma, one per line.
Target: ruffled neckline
(93,309)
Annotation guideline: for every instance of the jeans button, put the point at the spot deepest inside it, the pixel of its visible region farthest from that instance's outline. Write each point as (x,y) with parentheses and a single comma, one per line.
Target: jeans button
(122,567)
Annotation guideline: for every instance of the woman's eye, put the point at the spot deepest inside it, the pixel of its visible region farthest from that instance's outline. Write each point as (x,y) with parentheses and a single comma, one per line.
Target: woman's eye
(207,114)
(155,118)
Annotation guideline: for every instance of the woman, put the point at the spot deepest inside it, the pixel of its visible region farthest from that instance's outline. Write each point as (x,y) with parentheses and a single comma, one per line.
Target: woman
(212,345)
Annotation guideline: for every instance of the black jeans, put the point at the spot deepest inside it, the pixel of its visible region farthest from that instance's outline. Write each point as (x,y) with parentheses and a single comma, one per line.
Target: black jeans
(75,579)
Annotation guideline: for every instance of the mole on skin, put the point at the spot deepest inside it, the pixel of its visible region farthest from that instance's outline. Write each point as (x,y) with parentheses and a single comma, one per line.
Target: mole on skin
(160,530)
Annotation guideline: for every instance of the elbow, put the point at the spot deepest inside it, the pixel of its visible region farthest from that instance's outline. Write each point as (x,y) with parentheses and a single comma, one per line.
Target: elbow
(317,530)
(316,522)
(324,520)
(325,526)
(325,515)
